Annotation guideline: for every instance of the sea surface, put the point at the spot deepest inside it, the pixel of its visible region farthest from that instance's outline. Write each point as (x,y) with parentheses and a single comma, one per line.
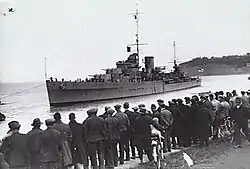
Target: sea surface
(25,101)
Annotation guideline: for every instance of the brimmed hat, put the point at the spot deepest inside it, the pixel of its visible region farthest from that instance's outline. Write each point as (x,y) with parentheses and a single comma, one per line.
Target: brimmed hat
(14,125)
(187,98)
(118,106)
(160,101)
(36,122)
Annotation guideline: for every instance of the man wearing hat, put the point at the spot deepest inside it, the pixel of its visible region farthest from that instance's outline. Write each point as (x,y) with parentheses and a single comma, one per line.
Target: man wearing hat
(50,157)
(78,151)
(123,129)
(95,135)
(143,134)
(161,105)
(232,100)
(112,139)
(240,115)
(33,143)
(131,117)
(14,147)
(187,101)
(105,115)
(66,138)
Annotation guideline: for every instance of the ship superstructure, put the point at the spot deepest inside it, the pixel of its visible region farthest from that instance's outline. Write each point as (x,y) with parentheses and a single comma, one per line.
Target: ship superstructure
(128,79)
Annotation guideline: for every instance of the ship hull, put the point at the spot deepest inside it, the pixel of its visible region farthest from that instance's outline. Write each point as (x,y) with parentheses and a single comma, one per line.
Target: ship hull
(62,93)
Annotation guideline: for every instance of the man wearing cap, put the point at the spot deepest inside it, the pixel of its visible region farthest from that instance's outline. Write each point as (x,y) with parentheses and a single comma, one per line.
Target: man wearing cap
(50,147)
(240,116)
(187,101)
(161,105)
(105,115)
(78,151)
(66,139)
(232,100)
(123,129)
(95,135)
(14,148)
(244,99)
(112,139)
(143,134)
(131,117)
(33,143)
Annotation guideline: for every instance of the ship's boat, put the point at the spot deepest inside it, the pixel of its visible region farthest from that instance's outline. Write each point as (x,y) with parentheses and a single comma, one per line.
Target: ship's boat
(128,79)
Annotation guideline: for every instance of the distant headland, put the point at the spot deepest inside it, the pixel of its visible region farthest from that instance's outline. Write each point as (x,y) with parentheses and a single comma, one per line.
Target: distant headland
(226,65)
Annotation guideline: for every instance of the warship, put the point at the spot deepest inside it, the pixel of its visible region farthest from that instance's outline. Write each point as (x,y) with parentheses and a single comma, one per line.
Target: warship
(128,79)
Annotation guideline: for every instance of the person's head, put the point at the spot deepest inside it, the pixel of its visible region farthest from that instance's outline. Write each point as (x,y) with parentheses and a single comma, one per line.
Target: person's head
(36,123)
(156,120)
(203,98)
(211,96)
(72,116)
(135,109)
(49,122)
(228,94)
(187,100)
(153,107)
(106,108)
(110,112)
(141,106)
(234,93)
(195,98)
(126,105)
(243,93)
(221,98)
(174,101)
(160,102)
(14,125)
(118,107)
(238,101)
(57,116)
(92,111)
(179,101)
(248,92)
(143,111)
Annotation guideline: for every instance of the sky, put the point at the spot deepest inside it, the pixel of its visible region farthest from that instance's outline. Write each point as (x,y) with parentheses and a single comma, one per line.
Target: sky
(81,37)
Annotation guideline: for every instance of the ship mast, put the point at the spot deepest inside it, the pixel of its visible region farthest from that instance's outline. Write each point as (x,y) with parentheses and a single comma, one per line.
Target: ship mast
(137,44)
(175,62)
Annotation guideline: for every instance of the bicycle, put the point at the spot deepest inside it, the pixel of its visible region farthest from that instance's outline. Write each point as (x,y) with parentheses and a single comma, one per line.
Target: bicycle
(157,144)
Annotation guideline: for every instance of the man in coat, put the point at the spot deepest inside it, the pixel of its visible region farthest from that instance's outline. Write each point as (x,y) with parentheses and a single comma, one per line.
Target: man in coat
(14,147)
(66,138)
(33,143)
(131,117)
(143,135)
(240,116)
(124,140)
(112,139)
(78,151)
(204,123)
(95,134)
(166,121)
(50,147)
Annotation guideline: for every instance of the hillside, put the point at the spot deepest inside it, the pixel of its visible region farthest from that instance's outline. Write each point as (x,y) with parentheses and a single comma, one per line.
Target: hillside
(226,65)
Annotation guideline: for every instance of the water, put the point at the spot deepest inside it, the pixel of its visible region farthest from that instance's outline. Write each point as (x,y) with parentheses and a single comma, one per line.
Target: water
(25,105)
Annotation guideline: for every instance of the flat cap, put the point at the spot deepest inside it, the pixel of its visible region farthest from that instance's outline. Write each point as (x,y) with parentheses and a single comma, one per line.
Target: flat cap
(160,101)
(92,111)
(135,108)
(14,125)
(143,110)
(126,105)
(110,111)
(118,106)
(50,121)
(141,105)
(187,98)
